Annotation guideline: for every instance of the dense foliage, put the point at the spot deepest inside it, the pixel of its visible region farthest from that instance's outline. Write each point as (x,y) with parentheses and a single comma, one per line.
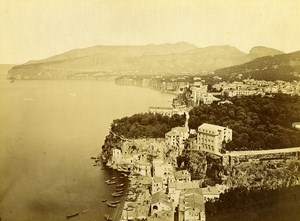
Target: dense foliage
(194,161)
(146,125)
(256,204)
(257,122)
(269,174)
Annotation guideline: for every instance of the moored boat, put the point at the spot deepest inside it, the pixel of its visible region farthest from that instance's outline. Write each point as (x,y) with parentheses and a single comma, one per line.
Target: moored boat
(110,182)
(117,194)
(111,205)
(72,215)
(115,202)
(120,185)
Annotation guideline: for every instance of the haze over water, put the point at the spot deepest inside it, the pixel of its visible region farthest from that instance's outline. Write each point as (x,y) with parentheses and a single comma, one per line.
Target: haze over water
(48,132)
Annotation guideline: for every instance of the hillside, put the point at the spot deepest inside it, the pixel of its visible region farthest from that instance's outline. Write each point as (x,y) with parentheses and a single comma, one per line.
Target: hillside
(96,61)
(278,67)
(260,51)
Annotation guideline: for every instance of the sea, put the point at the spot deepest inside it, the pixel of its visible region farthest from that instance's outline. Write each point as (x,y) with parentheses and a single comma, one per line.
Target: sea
(49,130)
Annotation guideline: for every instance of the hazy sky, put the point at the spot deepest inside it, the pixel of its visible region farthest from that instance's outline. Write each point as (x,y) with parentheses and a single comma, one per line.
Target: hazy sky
(35,29)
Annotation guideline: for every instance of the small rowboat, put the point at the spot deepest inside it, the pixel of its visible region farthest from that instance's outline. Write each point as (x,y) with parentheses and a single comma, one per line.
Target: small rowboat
(72,215)
(111,205)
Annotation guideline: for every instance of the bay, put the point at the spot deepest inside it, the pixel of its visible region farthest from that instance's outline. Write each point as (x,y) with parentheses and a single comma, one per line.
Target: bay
(48,132)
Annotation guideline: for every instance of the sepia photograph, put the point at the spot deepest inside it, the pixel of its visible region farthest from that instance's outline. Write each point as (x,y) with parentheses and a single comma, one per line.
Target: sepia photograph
(150,110)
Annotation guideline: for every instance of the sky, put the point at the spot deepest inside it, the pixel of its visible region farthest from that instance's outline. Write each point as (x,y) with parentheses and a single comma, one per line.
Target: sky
(37,29)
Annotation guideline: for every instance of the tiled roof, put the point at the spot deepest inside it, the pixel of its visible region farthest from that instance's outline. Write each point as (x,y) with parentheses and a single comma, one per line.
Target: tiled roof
(191,199)
(160,197)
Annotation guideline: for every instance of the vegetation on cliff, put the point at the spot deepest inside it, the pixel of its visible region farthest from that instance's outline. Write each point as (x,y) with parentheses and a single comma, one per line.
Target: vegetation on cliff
(146,125)
(256,204)
(257,122)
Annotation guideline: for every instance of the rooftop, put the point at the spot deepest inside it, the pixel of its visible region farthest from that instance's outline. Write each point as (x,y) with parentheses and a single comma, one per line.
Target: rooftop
(182,174)
(161,197)
(191,199)
(212,127)
(157,179)
(186,185)
(181,129)
(213,190)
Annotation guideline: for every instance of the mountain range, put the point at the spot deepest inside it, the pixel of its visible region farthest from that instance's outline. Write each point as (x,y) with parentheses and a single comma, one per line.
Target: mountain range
(101,60)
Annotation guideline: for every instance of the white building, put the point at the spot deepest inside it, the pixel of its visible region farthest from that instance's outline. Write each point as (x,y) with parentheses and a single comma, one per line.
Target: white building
(213,192)
(157,185)
(116,156)
(166,111)
(176,137)
(142,167)
(210,137)
(182,176)
(162,169)
(197,93)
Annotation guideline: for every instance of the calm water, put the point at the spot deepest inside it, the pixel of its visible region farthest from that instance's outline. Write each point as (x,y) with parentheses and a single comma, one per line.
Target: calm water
(48,132)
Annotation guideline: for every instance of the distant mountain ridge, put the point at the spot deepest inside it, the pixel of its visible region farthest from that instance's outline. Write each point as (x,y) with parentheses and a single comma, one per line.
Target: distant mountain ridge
(96,61)
(277,67)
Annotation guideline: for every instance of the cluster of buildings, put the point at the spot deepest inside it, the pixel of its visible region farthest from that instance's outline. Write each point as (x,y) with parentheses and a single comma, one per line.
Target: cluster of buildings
(158,191)
(201,94)
(249,87)
(161,83)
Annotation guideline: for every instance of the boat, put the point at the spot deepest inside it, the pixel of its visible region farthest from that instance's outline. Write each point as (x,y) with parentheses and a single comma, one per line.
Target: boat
(115,202)
(111,205)
(86,211)
(107,217)
(72,215)
(104,200)
(93,158)
(111,182)
(95,165)
(117,194)
(113,178)
(120,185)
(119,189)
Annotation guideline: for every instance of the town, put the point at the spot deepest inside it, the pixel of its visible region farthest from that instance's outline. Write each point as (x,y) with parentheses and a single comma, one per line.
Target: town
(210,88)
(161,187)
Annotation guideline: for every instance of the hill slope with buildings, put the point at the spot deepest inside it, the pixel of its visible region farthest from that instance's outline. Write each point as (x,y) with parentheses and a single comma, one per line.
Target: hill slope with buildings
(94,62)
(278,67)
